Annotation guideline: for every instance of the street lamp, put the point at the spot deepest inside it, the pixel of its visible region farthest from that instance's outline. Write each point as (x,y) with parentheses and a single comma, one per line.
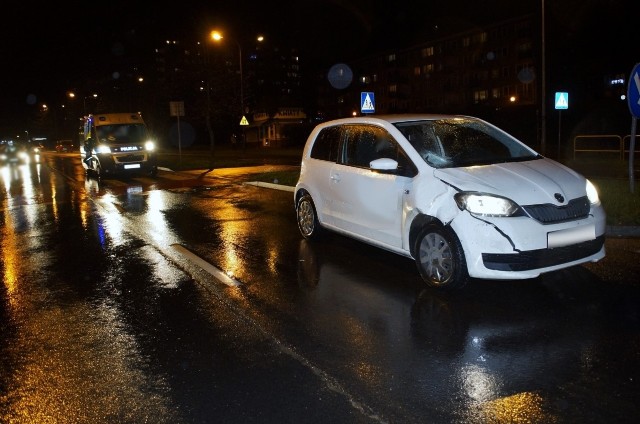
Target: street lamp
(72,95)
(217,37)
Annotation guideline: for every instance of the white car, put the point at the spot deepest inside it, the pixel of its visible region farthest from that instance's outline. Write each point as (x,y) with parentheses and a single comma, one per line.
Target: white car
(458,195)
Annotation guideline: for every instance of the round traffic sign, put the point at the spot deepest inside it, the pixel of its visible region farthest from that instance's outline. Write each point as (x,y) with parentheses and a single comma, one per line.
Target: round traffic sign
(633,93)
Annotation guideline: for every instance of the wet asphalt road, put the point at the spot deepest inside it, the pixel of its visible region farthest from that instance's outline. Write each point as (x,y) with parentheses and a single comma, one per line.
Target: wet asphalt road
(106,317)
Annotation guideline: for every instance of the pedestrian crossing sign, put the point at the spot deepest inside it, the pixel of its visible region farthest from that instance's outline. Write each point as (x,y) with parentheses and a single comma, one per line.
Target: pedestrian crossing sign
(367,102)
(562,100)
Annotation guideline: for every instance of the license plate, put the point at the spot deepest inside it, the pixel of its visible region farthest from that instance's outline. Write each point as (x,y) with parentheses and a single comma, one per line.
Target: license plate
(132,166)
(571,236)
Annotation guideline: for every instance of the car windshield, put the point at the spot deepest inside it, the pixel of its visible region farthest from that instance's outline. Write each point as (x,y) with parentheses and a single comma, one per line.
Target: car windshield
(456,142)
(121,133)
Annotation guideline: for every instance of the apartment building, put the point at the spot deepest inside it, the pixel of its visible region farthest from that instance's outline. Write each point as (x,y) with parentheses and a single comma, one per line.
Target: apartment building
(492,72)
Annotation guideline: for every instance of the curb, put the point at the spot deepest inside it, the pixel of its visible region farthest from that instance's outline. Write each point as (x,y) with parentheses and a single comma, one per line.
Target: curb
(270,185)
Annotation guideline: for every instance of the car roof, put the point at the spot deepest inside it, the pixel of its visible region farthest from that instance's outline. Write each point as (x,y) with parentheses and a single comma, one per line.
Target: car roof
(393,118)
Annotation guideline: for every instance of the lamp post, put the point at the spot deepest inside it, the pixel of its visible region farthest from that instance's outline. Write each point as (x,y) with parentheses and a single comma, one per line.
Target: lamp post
(217,37)
(72,95)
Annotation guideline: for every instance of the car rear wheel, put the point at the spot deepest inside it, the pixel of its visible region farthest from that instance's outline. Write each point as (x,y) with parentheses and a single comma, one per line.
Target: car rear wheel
(440,258)
(308,218)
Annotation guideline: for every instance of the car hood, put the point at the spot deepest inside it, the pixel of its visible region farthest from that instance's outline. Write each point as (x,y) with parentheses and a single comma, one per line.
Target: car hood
(527,183)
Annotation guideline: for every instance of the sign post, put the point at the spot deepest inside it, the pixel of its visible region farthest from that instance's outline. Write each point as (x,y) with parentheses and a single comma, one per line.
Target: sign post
(244,123)
(633,97)
(177,109)
(562,103)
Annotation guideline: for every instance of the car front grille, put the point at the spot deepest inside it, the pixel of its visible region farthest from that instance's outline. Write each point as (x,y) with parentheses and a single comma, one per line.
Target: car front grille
(551,214)
(129,158)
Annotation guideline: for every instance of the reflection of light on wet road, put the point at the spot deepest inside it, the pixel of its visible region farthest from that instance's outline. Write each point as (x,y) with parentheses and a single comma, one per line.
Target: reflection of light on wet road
(54,201)
(19,216)
(518,408)
(164,272)
(157,223)
(7,174)
(111,221)
(10,259)
(85,353)
(28,198)
(478,383)
(233,226)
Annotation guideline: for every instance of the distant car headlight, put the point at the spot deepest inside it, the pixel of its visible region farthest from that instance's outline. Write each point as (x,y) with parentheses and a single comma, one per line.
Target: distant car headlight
(592,193)
(149,145)
(486,204)
(102,148)
(3,156)
(23,155)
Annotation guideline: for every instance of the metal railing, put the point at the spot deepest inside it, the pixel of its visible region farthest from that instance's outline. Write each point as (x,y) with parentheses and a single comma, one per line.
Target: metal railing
(605,143)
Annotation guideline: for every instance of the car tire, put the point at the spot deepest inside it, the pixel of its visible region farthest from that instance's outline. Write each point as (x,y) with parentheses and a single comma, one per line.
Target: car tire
(440,258)
(307,218)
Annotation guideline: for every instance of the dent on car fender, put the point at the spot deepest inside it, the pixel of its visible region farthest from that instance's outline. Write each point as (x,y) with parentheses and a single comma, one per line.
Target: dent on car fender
(499,231)
(441,203)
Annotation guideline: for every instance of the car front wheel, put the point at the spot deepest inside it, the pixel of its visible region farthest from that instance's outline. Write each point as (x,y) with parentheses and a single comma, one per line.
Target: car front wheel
(440,258)
(307,218)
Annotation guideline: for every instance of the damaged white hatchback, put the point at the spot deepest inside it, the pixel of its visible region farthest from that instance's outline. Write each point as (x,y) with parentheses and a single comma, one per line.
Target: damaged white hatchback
(458,195)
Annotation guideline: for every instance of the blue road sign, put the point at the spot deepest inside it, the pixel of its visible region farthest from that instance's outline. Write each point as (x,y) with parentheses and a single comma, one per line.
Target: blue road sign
(562,100)
(633,94)
(367,102)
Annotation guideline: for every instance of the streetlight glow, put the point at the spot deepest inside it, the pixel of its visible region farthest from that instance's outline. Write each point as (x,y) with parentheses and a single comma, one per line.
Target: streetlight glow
(216,36)
(72,95)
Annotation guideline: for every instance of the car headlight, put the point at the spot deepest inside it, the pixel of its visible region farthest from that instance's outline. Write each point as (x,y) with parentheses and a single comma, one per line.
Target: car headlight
(149,145)
(486,204)
(592,193)
(102,148)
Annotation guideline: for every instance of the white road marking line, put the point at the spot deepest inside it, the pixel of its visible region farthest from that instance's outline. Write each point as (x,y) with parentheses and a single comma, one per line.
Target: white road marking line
(270,185)
(218,274)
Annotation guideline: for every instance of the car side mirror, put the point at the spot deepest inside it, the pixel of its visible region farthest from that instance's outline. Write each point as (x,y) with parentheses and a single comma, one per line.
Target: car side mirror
(384,164)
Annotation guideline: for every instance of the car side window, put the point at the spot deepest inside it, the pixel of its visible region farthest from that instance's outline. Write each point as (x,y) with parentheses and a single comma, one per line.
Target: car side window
(367,143)
(360,145)
(326,144)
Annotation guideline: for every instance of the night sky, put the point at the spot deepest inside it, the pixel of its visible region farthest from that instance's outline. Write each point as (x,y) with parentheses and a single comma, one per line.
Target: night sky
(46,47)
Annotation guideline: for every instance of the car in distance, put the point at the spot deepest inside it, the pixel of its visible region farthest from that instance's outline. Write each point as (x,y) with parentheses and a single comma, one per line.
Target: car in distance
(64,146)
(458,195)
(12,153)
(117,144)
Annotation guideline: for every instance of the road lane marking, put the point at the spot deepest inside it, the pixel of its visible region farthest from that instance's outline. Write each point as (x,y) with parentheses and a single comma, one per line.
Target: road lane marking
(206,266)
(270,185)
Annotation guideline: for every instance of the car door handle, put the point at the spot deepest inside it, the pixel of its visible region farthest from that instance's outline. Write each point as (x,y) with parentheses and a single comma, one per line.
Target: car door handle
(335,177)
